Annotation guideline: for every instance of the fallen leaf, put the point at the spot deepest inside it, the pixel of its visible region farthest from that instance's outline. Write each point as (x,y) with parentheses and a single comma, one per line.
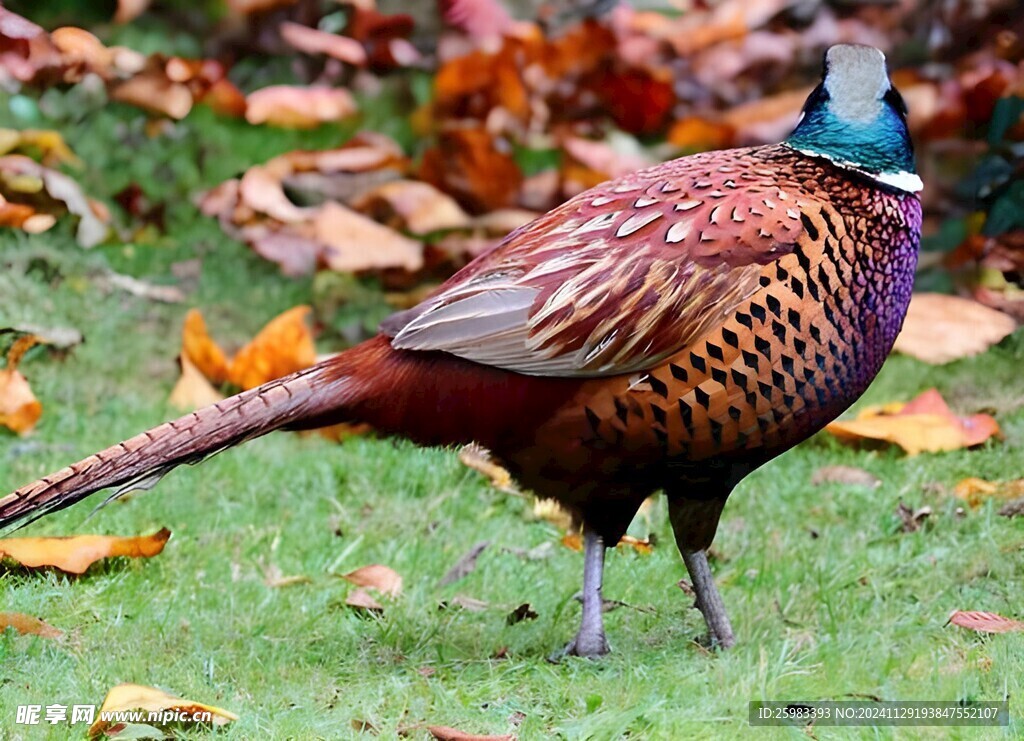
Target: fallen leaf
(466,603)
(315,41)
(985,622)
(363,726)
(641,546)
(521,613)
(924,424)
(412,206)
(129,10)
(446,733)
(844,475)
(283,346)
(573,541)
(295,107)
(193,390)
(361,599)
(911,520)
(19,408)
(127,697)
(1012,509)
(28,625)
(24,179)
(468,164)
(382,578)
(75,554)
(201,351)
(354,243)
(274,578)
(941,328)
(465,565)
(976,491)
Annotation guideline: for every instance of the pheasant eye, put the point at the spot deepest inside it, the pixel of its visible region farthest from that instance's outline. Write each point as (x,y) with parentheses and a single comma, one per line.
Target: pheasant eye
(894,99)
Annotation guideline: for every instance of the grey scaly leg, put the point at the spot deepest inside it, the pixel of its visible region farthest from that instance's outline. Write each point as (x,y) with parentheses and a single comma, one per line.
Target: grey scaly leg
(709,601)
(590,640)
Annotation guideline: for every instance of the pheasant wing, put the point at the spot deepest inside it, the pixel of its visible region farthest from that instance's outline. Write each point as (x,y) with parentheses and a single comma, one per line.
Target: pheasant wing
(620,277)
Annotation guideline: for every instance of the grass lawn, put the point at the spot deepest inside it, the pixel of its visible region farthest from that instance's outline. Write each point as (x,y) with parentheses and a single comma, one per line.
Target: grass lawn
(829,598)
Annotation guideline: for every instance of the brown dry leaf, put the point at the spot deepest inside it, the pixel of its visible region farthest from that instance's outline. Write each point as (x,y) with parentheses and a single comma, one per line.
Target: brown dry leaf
(75,554)
(941,328)
(848,475)
(465,565)
(700,134)
(295,107)
(985,622)
(274,578)
(25,183)
(446,733)
(198,348)
(314,41)
(193,390)
(468,164)
(976,491)
(911,520)
(412,206)
(573,541)
(126,697)
(19,408)
(28,625)
(641,546)
(129,10)
(924,424)
(154,92)
(355,243)
(361,599)
(283,346)
(376,576)
(521,613)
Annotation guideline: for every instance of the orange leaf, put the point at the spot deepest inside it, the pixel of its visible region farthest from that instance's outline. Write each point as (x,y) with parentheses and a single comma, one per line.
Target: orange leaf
(284,346)
(941,328)
(446,733)
(126,697)
(975,491)
(355,243)
(201,351)
(361,599)
(28,625)
(468,164)
(19,408)
(77,553)
(295,107)
(985,622)
(925,424)
(382,578)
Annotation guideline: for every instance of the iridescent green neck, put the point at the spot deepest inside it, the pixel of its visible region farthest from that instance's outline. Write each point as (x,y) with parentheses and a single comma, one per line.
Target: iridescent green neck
(878,144)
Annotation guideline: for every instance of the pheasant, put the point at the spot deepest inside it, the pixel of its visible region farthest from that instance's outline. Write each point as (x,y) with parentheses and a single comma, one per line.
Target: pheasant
(671,330)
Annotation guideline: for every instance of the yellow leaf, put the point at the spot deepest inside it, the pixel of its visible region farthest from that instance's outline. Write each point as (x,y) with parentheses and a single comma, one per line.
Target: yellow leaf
(75,554)
(126,697)
(19,408)
(925,424)
(27,625)
(284,346)
(192,390)
(975,491)
(941,328)
(201,350)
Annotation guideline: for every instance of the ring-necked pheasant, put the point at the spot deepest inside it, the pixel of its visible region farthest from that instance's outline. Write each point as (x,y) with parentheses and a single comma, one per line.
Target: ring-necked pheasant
(673,329)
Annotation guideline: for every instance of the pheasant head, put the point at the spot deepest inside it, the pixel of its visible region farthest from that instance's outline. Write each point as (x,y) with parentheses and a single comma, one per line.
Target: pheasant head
(857,119)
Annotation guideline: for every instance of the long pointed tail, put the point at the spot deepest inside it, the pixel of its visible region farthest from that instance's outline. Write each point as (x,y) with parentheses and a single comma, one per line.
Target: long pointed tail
(289,401)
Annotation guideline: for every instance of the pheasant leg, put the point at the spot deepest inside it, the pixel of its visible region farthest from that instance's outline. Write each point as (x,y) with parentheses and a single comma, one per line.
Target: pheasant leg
(590,640)
(709,601)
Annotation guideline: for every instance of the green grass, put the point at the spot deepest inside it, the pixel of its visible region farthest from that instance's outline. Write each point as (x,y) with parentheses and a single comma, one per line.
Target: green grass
(858,610)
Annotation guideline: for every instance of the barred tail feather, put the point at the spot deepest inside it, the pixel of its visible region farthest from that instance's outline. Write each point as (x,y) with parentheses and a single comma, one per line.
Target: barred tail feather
(141,460)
